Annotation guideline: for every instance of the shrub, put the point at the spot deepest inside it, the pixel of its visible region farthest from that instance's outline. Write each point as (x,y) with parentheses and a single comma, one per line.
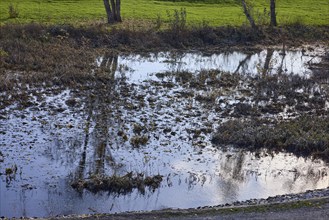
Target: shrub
(13,11)
(177,20)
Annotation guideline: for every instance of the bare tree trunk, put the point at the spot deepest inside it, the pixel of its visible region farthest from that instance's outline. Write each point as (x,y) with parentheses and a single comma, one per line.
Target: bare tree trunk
(273,14)
(118,10)
(109,13)
(113,8)
(246,11)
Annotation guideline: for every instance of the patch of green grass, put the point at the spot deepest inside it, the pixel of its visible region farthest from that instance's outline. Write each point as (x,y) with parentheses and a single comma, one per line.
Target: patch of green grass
(215,14)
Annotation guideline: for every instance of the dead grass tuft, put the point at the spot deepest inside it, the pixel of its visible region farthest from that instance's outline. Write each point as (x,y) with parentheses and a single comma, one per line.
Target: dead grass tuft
(118,184)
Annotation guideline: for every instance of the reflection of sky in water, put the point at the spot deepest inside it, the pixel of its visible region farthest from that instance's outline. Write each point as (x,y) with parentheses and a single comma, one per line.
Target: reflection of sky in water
(48,146)
(143,68)
(193,176)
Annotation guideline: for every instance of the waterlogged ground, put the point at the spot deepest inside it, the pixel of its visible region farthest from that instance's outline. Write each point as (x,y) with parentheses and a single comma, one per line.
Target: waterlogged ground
(155,115)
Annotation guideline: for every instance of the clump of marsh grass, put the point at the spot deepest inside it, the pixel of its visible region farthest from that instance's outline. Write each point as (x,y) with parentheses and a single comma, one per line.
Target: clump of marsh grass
(304,136)
(139,140)
(118,184)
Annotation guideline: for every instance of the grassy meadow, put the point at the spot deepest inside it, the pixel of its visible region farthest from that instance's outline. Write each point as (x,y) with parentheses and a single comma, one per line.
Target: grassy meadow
(212,12)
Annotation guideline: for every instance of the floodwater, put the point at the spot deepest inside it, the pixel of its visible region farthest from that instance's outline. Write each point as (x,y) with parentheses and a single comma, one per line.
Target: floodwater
(271,61)
(68,134)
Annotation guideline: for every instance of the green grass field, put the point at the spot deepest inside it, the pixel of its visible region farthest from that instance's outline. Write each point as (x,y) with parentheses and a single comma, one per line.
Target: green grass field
(309,12)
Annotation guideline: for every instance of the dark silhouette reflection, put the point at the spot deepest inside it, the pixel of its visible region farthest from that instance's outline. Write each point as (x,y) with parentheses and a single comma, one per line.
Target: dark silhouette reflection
(82,162)
(101,143)
(242,63)
(232,167)
(232,175)
(303,177)
(238,173)
(103,112)
(267,68)
(175,63)
(283,56)
(243,166)
(109,63)
(99,100)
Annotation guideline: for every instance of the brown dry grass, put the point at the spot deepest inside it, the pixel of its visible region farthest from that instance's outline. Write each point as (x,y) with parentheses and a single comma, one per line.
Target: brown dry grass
(67,54)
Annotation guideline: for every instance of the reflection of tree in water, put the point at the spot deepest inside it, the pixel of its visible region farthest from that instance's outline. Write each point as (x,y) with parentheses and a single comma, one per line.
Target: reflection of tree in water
(283,54)
(304,178)
(267,67)
(109,63)
(242,64)
(232,174)
(99,106)
(269,62)
(295,179)
(175,63)
(102,96)
(232,167)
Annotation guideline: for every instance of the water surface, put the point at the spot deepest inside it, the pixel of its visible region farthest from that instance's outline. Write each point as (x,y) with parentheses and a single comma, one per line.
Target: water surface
(68,134)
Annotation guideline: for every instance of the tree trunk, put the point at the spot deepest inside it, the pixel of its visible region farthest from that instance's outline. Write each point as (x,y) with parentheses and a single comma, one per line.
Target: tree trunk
(113,8)
(108,10)
(246,10)
(118,10)
(273,14)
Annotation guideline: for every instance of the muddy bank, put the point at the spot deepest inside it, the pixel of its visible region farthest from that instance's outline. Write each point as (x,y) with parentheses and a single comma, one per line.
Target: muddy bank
(196,37)
(64,53)
(19,40)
